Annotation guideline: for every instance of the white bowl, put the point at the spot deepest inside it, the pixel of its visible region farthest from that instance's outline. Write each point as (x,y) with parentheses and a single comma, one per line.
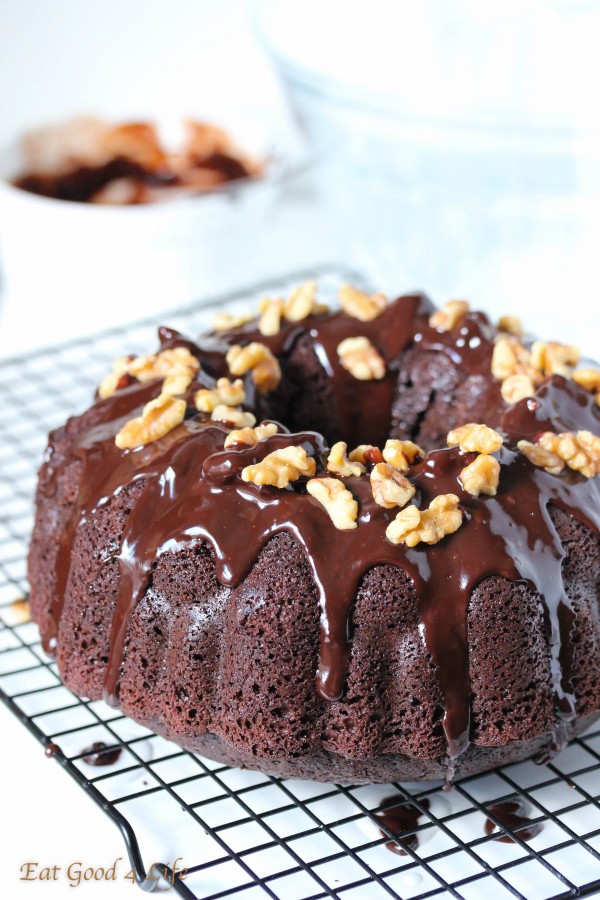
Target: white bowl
(71,268)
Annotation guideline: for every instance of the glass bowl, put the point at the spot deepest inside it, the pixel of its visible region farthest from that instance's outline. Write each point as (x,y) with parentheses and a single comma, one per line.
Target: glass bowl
(468,162)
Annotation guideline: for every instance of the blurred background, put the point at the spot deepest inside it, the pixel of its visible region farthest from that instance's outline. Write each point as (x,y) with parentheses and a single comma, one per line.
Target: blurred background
(449,146)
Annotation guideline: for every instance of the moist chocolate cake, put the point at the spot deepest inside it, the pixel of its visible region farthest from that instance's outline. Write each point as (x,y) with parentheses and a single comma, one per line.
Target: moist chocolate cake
(394,576)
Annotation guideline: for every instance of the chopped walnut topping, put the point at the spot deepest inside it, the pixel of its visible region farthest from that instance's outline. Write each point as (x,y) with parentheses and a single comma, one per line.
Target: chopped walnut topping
(250,436)
(517,387)
(281,467)
(589,380)
(19,612)
(359,305)
(580,451)
(389,487)
(481,476)
(545,459)
(266,375)
(266,372)
(340,464)
(232,416)
(361,359)
(404,526)
(228,393)
(226,321)
(475,438)
(175,385)
(412,526)
(510,325)
(176,366)
(176,361)
(512,363)
(448,317)
(511,357)
(339,503)
(302,302)
(366,454)
(110,382)
(401,454)
(158,417)
(552,358)
(271,311)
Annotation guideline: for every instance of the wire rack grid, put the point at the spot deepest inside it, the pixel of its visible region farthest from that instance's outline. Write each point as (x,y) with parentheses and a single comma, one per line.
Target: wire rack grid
(245,833)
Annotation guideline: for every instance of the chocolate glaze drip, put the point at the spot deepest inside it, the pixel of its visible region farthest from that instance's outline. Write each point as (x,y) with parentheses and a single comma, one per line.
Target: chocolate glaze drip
(398,817)
(99,754)
(512,814)
(192,491)
(51,750)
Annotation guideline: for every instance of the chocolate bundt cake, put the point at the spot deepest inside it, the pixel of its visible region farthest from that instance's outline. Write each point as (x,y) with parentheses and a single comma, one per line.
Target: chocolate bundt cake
(393,576)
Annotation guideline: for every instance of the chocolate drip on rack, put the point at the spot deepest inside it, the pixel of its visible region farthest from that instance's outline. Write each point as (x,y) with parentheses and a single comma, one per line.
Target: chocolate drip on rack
(100,754)
(512,814)
(193,491)
(399,818)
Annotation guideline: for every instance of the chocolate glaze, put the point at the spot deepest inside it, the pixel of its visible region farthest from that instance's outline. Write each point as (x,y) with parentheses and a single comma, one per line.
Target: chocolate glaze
(99,754)
(193,491)
(512,814)
(51,750)
(81,183)
(399,816)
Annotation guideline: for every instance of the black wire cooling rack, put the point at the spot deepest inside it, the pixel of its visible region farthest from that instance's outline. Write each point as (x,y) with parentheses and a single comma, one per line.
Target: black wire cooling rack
(245,833)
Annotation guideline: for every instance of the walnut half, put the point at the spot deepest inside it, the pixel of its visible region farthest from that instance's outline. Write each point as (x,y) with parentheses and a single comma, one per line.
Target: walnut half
(539,456)
(250,436)
(481,476)
(177,367)
(579,450)
(226,321)
(553,358)
(158,417)
(359,357)
(339,503)
(413,526)
(281,467)
(302,302)
(340,464)
(401,454)
(229,393)
(271,311)
(448,317)
(257,358)
(517,387)
(589,380)
(389,487)
(361,306)
(230,415)
(475,438)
